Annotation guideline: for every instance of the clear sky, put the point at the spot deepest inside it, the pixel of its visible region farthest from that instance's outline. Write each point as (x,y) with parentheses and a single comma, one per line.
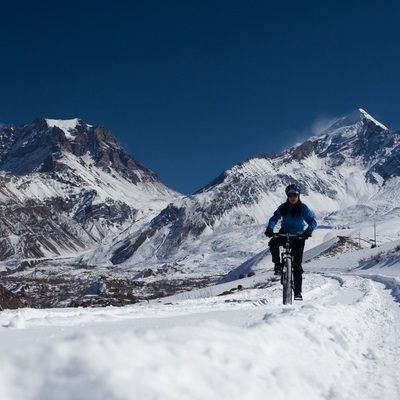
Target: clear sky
(194,87)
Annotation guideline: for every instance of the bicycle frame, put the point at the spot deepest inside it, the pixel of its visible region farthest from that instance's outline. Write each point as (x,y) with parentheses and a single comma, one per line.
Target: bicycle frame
(287,266)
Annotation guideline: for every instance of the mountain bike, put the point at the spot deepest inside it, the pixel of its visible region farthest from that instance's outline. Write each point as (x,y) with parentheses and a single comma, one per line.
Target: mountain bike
(287,266)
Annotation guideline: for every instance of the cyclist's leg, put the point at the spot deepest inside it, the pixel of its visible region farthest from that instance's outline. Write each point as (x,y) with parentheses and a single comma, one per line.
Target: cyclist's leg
(274,244)
(298,249)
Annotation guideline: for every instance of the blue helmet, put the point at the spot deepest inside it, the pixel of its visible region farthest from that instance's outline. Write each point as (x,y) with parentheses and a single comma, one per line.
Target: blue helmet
(293,189)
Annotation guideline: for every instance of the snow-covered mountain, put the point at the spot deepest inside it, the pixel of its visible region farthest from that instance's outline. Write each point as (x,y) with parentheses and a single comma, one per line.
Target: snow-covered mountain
(351,168)
(66,185)
(79,207)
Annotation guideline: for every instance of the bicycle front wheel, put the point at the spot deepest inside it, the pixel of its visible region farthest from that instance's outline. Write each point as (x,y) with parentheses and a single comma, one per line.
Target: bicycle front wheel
(287,281)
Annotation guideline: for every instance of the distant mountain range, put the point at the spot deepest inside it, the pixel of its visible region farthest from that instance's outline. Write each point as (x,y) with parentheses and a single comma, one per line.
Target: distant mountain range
(353,166)
(75,206)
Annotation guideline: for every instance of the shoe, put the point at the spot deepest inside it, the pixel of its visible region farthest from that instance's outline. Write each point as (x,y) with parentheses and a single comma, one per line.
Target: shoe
(298,297)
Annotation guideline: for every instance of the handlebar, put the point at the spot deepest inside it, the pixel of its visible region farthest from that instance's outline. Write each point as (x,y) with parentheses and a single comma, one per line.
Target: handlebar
(287,236)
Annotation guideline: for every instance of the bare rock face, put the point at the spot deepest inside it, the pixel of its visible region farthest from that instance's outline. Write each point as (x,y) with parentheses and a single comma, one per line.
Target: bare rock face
(8,300)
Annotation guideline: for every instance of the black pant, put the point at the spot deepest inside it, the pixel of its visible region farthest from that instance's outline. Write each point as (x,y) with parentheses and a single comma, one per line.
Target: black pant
(297,246)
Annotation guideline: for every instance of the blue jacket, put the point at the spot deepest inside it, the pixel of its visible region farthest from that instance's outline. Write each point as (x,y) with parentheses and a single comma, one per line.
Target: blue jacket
(293,225)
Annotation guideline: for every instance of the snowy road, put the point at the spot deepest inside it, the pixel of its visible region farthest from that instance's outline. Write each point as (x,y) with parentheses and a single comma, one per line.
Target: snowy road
(342,342)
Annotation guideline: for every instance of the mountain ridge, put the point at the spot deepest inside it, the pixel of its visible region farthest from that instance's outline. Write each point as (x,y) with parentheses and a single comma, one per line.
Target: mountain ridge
(337,171)
(92,212)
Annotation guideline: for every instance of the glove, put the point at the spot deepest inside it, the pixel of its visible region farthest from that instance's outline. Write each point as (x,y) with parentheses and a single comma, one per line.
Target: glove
(306,234)
(269,233)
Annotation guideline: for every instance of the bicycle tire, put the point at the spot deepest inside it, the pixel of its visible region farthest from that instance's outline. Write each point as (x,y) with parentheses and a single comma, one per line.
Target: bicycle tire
(287,281)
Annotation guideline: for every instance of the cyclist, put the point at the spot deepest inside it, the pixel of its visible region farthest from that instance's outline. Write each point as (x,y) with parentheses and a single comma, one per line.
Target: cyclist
(294,215)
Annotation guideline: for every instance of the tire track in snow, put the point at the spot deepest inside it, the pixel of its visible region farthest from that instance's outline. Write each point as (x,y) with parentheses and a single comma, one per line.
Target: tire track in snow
(363,317)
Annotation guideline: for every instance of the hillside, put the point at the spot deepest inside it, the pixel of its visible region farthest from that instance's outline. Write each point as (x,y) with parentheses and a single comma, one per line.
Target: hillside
(95,227)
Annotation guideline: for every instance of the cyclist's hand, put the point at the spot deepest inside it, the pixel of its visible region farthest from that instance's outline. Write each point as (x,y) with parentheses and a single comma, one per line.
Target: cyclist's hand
(269,233)
(306,234)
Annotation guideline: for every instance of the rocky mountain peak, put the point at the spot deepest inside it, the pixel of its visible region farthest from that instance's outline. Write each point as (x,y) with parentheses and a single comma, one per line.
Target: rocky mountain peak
(351,124)
(353,138)
(42,146)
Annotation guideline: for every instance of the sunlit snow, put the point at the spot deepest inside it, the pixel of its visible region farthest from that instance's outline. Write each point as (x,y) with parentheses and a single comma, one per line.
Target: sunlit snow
(66,125)
(341,342)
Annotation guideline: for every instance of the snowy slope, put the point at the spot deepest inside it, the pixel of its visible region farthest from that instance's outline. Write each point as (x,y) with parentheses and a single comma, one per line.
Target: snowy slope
(341,342)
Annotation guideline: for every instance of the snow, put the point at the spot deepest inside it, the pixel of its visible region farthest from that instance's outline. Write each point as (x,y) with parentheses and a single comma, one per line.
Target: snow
(341,342)
(372,119)
(66,125)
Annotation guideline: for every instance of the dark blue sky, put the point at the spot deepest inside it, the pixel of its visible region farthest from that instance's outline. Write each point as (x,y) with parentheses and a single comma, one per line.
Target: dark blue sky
(193,87)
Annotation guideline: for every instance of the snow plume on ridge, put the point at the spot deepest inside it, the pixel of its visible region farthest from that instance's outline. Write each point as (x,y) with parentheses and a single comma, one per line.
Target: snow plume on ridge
(322,123)
(349,124)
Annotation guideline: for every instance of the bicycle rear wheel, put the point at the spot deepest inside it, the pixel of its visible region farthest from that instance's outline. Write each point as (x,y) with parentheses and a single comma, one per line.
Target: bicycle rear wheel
(287,281)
